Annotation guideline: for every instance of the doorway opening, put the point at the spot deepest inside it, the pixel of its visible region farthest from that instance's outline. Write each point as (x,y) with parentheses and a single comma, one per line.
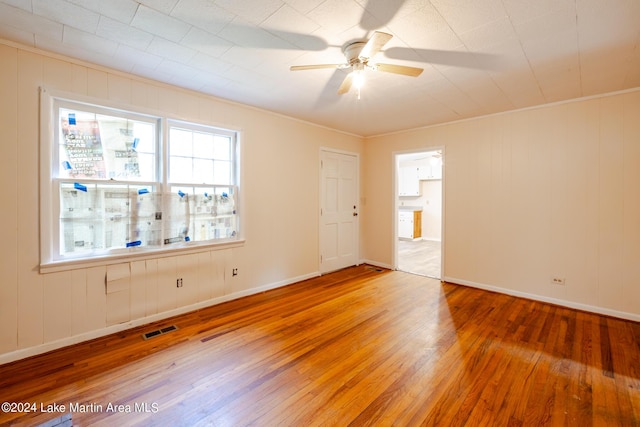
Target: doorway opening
(418,212)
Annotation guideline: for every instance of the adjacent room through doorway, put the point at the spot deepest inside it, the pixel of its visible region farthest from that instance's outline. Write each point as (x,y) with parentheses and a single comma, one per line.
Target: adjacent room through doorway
(418,216)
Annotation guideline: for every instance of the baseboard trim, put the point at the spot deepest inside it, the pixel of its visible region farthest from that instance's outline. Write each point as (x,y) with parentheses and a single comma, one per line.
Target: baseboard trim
(64,342)
(564,303)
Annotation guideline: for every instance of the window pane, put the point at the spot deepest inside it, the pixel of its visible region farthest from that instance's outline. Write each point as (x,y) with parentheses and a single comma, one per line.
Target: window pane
(178,216)
(211,214)
(211,155)
(181,169)
(144,144)
(147,163)
(222,147)
(81,153)
(99,146)
(144,132)
(117,220)
(95,218)
(203,145)
(180,142)
(81,219)
(222,172)
(202,171)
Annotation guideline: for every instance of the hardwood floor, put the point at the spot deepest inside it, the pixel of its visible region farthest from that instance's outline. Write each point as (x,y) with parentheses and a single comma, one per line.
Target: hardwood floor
(361,346)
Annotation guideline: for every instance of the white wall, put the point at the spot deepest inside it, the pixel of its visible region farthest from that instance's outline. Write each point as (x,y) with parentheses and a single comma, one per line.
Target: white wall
(431,202)
(530,195)
(279,184)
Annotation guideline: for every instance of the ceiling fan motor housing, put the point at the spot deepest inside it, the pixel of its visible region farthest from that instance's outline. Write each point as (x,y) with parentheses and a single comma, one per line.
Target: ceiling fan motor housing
(352,52)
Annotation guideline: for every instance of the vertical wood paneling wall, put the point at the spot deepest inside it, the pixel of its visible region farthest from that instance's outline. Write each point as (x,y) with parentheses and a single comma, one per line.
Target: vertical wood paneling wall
(280,198)
(530,195)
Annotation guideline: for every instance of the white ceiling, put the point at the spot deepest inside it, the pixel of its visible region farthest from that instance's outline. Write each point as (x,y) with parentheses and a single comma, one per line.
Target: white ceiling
(479,56)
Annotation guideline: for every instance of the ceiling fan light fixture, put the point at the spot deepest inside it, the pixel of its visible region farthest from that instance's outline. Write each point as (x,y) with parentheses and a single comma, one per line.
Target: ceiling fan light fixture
(358,81)
(358,77)
(358,55)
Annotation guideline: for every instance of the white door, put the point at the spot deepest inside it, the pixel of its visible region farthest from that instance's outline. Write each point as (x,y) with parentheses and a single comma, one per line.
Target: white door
(338,210)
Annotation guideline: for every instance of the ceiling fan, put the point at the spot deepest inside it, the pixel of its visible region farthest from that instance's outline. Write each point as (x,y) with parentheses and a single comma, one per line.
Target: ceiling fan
(359,56)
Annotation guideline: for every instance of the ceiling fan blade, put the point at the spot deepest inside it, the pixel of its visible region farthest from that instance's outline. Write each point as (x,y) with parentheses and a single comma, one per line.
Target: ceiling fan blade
(399,69)
(346,84)
(483,61)
(375,44)
(315,67)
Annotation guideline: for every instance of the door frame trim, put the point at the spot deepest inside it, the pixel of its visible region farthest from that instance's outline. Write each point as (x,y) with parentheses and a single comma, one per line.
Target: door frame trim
(358,180)
(396,197)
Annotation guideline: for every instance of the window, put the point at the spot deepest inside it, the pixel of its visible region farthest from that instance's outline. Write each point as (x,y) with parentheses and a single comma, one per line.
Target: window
(201,173)
(126,182)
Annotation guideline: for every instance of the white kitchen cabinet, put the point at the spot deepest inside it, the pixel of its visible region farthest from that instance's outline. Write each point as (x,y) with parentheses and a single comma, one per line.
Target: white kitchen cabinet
(430,172)
(409,181)
(410,224)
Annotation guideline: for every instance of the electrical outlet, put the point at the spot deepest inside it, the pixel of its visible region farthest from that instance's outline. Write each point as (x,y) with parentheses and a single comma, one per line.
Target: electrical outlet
(179,282)
(557,280)
(234,272)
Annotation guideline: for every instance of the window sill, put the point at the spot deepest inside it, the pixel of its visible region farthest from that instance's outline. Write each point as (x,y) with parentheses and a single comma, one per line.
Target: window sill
(79,263)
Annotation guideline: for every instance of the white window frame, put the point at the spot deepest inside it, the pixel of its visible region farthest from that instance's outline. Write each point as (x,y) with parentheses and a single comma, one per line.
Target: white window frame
(190,126)
(50,257)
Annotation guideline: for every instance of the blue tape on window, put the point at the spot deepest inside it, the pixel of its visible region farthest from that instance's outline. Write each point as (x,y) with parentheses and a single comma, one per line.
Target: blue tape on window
(187,239)
(181,194)
(80,187)
(225,195)
(206,195)
(135,143)
(136,243)
(66,165)
(143,191)
(72,118)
